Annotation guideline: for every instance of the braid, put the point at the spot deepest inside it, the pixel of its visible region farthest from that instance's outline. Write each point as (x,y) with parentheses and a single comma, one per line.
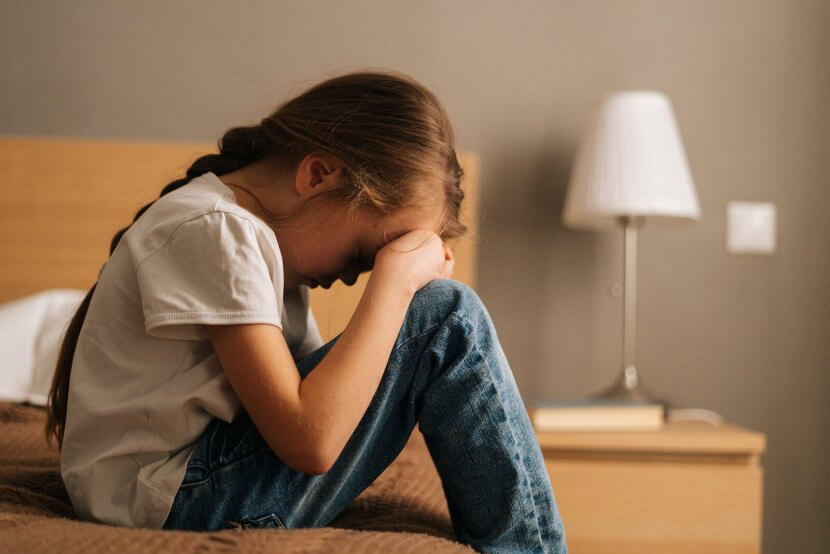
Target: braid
(454,195)
(237,148)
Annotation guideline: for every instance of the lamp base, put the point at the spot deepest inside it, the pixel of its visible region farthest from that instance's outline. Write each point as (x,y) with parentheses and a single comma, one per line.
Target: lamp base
(627,389)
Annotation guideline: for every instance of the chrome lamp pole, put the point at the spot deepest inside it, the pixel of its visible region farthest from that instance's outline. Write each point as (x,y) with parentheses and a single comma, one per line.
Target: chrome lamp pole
(627,387)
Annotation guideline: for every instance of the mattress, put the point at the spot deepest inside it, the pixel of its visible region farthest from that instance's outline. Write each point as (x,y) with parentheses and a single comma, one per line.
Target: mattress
(404,510)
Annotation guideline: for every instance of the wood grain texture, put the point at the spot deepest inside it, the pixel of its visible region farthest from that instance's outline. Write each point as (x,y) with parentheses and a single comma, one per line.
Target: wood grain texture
(63,199)
(691,487)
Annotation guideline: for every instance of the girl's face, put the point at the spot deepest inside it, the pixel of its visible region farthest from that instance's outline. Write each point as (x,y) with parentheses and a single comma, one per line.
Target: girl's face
(331,244)
(327,242)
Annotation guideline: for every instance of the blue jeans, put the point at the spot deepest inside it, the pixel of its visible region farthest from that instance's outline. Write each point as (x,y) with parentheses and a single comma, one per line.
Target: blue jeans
(448,373)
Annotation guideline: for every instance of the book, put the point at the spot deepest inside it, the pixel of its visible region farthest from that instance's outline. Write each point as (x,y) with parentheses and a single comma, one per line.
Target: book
(594,415)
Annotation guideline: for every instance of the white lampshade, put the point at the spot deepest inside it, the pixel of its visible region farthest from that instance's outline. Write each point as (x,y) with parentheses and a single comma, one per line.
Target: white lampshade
(630,162)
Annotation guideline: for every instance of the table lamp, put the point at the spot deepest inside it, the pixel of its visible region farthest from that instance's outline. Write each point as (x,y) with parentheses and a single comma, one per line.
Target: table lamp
(630,166)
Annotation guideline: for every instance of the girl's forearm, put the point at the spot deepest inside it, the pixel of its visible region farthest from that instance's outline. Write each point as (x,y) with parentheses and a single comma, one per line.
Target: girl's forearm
(336,394)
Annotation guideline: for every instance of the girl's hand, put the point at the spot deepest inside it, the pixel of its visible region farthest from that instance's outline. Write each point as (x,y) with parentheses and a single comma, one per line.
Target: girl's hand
(414,259)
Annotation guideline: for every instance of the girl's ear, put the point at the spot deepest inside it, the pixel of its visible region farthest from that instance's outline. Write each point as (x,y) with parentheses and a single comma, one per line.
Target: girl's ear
(316,173)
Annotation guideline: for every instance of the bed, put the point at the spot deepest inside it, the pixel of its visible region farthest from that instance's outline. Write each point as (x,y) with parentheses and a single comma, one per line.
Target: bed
(61,201)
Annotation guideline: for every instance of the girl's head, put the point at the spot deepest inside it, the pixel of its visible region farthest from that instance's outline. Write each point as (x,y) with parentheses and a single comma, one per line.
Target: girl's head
(376,147)
(390,134)
(334,238)
(385,144)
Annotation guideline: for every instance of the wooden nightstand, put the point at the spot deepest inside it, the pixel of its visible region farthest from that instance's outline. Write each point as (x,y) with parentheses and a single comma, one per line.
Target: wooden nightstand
(690,487)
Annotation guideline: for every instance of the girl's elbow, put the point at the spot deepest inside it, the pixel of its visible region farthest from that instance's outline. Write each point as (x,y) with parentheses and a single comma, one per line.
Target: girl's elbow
(318,469)
(312,461)
(327,457)
(316,464)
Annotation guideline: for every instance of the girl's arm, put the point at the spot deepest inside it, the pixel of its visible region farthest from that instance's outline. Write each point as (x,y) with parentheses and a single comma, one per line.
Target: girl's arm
(307,423)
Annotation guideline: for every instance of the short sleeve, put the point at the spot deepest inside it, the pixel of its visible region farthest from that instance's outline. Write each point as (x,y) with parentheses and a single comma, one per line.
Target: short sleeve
(211,270)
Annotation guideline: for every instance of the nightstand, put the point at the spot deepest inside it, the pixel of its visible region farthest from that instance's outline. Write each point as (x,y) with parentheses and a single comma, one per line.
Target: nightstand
(689,487)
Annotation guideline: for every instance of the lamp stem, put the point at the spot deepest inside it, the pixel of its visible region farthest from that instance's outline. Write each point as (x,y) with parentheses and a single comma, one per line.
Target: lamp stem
(627,388)
(630,300)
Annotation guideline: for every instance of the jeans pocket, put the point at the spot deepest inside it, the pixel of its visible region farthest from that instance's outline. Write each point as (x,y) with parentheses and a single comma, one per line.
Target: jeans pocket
(232,441)
(196,474)
(270,521)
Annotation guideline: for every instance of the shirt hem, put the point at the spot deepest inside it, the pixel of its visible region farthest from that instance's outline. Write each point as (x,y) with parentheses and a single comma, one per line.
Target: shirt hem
(197,317)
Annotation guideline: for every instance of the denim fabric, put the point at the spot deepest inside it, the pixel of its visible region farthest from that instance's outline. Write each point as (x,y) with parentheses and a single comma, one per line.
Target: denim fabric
(447,373)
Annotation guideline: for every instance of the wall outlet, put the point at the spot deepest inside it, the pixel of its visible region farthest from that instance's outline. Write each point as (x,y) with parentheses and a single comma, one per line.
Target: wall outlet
(750,227)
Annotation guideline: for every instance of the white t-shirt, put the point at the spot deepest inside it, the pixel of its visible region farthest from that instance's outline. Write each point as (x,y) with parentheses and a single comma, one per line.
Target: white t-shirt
(145,379)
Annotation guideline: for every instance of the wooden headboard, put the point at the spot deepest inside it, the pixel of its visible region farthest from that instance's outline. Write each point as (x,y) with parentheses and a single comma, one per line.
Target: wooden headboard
(62,200)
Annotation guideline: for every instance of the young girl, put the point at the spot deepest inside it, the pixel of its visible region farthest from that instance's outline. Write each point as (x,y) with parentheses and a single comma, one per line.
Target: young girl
(201,394)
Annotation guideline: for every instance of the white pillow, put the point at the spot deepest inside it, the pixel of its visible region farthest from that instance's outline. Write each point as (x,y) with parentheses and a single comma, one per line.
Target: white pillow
(31,330)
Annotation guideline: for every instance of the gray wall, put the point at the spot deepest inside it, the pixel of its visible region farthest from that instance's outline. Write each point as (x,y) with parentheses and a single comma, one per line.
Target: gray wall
(750,85)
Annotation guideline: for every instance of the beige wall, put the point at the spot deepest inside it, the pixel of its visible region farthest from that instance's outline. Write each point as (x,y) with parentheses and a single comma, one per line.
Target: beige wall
(750,85)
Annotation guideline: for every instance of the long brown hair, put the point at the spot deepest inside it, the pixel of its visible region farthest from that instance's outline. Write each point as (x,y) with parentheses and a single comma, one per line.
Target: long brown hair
(396,144)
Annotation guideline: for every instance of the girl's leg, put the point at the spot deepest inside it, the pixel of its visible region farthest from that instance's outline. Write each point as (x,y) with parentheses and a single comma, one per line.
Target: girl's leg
(448,373)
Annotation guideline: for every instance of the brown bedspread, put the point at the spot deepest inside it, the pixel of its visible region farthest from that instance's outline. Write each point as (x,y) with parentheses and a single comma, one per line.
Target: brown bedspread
(404,510)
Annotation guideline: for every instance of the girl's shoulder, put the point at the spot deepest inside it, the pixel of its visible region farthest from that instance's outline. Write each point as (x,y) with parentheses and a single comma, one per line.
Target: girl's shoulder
(200,202)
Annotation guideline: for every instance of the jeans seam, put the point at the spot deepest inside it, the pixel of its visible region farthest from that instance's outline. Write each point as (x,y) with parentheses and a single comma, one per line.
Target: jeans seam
(247,521)
(424,331)
(464,322)
(416,336)
(222,467)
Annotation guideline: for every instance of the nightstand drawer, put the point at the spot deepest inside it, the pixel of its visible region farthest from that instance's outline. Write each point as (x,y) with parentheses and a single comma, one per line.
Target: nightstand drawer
(687,488)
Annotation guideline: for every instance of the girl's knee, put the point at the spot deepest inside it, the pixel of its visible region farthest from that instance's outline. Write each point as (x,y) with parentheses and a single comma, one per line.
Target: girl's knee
(444,297)
(442,302)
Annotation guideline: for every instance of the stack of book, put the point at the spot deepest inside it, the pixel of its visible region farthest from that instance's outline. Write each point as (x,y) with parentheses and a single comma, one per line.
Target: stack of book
(594,415)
